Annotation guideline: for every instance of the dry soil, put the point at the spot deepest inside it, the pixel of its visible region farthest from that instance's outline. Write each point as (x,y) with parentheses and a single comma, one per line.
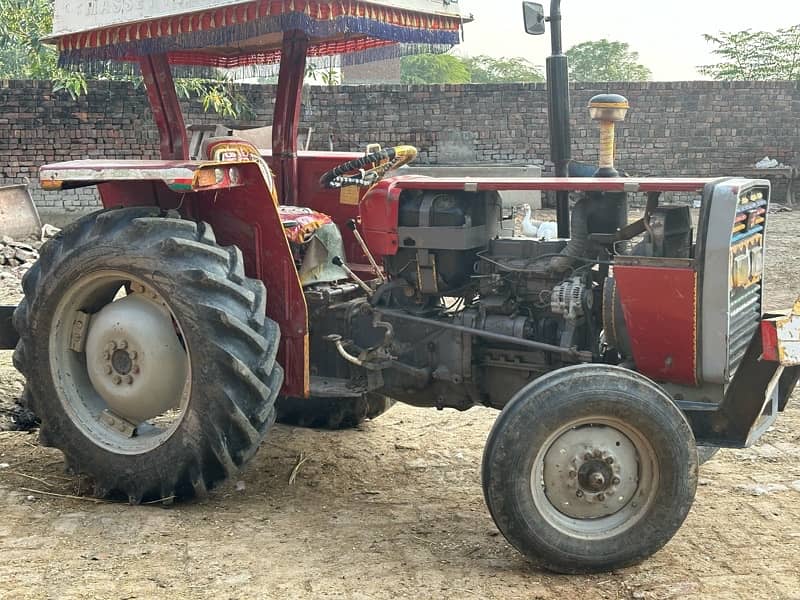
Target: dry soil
(393,509)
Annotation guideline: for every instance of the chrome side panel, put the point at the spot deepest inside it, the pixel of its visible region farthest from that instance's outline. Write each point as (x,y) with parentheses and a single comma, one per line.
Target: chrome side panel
(729,314)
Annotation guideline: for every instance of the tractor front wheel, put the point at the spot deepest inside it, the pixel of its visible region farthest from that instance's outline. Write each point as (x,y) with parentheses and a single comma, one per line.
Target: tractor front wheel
(590,468)
(147,354)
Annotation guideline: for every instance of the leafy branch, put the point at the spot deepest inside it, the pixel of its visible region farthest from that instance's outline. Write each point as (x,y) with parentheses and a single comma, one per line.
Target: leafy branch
(23,55)
(755,55)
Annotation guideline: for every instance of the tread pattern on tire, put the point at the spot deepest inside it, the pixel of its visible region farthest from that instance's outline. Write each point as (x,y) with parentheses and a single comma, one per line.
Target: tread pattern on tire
(235,377)
(539,409)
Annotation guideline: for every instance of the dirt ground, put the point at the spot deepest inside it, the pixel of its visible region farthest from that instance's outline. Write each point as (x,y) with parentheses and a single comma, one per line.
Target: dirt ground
(393,509)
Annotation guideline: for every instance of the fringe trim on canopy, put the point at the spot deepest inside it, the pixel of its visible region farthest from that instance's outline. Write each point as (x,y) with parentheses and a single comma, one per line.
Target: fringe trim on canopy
(256,69)
(372,40)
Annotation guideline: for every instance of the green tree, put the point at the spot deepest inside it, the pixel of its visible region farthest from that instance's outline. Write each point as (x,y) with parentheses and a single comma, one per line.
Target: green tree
(604,60)
(446,68)
(433,68)
(486,69)
(755,55)
(23,55)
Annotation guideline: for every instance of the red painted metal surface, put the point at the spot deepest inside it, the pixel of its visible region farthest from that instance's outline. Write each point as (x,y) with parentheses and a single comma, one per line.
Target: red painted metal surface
(138,193)
(163,99)
(286,119)
(310,167)
(769,341)
(247,217)
(660,308)
(379,214)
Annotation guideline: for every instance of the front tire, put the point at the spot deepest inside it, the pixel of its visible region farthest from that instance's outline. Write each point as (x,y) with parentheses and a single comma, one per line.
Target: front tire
(167,384)
(590,468)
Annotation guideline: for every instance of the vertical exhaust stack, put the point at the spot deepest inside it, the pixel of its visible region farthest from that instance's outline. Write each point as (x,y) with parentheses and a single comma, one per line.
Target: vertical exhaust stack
(608,110)
(559,112)
(558,100)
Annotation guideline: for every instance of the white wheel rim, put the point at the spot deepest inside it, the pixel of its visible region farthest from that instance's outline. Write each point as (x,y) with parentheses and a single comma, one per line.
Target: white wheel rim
(108,393)
(594,478)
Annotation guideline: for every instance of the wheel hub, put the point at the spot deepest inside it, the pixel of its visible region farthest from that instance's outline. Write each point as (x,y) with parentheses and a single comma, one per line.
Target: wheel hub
(595,476)
(122,362)
(135,359)
(591,472)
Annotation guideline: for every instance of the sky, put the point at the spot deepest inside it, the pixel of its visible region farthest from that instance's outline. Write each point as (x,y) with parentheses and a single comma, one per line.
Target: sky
(666,33)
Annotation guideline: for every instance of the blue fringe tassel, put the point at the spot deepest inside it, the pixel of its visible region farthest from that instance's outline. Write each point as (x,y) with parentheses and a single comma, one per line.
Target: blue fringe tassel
(420,39)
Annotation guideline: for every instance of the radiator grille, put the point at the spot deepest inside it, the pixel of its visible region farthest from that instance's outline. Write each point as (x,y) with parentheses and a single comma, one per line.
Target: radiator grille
(747,272)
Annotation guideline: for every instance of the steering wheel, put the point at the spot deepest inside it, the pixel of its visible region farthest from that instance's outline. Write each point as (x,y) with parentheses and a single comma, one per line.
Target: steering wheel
(354,173)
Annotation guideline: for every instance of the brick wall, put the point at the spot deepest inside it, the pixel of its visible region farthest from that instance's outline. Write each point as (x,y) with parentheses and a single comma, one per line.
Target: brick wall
(677,129)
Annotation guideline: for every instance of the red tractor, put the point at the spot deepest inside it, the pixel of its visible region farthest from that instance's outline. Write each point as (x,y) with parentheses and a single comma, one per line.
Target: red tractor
(162,336)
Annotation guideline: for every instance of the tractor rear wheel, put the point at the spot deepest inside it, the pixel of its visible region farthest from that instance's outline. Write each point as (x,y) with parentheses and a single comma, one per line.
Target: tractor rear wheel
(147,354)
(590,468)
(332,413)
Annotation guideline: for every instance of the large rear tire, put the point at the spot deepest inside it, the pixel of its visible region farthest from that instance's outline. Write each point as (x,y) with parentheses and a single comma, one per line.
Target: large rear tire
(590,468)
(180,391)
(332,413)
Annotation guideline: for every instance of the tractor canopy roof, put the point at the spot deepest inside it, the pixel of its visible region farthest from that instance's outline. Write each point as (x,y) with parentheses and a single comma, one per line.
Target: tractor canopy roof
(232,33)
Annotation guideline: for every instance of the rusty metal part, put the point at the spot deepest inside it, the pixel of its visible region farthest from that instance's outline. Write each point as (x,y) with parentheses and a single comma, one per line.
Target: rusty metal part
(351,224)
(341,264)
(594,476)
(781,337)
(749,407)
(337,341)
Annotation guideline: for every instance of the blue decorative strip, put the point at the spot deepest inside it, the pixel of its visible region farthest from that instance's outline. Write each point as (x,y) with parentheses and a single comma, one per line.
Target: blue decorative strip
(746,234)
(751,206)
(231,34)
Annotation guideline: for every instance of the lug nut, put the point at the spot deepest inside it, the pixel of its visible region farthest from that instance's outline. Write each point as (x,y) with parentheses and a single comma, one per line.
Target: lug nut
(573,474)
(108,369)
(601,496)
(106,355)
(587,456)
(610,460)
(129,379)
(117,379)
(135,370)
(133,354)
(110,347)
(579,493)
(123,344)
(615,481)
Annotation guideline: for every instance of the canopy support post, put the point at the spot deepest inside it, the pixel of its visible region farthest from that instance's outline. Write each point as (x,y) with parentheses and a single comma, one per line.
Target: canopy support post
(286,120)
(166,107)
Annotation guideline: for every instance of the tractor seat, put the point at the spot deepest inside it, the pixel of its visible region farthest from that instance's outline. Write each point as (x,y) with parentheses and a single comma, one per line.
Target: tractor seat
(301,223)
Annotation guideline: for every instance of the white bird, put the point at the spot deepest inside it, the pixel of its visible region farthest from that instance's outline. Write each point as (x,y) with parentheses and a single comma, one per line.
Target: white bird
(541,230)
